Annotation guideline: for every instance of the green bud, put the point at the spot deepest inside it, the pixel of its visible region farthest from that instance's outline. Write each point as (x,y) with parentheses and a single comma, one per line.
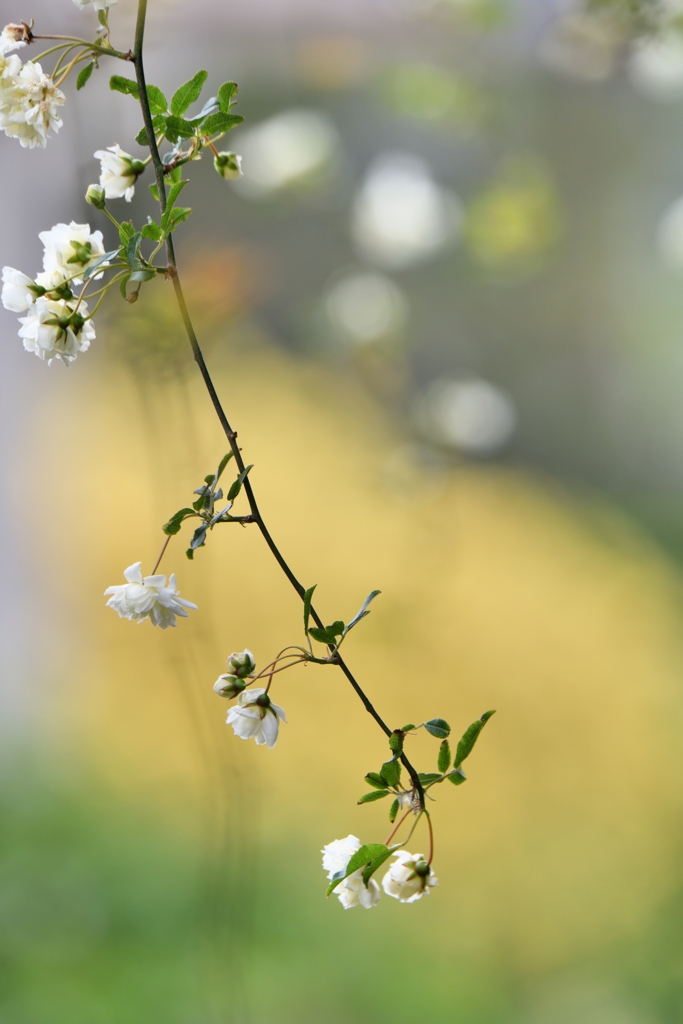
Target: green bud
(95,196)
(229,686)
(263,700)
(241,663)
(228,165)
(137,166)
(422,869)
(76,322)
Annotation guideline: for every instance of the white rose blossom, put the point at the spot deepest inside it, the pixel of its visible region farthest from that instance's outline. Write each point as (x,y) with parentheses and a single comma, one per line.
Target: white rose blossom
(17,293)
(351,891)
(148,598)
(9,69)
(98,5)
(253,720)
(70,249)
(52,330)
(28,104)
(11,38)
(119,172)
(409,877)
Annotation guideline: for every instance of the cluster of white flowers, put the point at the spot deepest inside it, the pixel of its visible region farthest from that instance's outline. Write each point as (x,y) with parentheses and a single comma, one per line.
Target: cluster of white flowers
(57,324)
(28,98)
(408,879)
(148,598)
(255,716)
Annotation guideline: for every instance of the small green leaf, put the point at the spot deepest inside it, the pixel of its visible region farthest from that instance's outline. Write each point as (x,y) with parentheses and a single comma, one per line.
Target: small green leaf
(84,74)
(122,286)
(393,811)
(336,629)
(444,759)
(362,612)
(396,741)
(158,104)
(308,597)
(407,728)
(155,192)
(375,780)
(364,856)
(226,96)
(152,230)
(457,777)
(470,737)
(117,83)
(426,778)
(176,521)
(177,215)
(143,275)
(375,794)
(438,727)
(102,18)
(236,485)
(159,124)
(323,636)
(391,772)
(126,232)
(178,128)
(188,93)
(97,265)
(221,466)
(374,864)
(173,194)
(132,248)
(220,122)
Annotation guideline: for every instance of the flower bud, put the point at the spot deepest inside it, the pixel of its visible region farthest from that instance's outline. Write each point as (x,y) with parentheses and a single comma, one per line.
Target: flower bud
(241,663)
(228,165)
(263,700)
(422,868)
(95,196)
(228,686)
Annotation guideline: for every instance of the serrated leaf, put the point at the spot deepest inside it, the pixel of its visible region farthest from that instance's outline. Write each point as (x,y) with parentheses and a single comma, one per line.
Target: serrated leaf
(308,598)
(375,864)
(177,216)
(152,230)
(396,741)
(364,856)
(443,761)
(438,727)
(178,128)
(188,93)
(375,794)
(375,780)
(391,772)
(470,737)
(226,96)
(221,466)
(117,83)
(393,811)
(428,777)
(336,629)
(173,194)
(97,265)
(158,104)
(236,485)
(322,636)
(159,124)
(84,74)
(126,231)
(362,612)
(457,777)
(132,248)
(176,521)
(220,122)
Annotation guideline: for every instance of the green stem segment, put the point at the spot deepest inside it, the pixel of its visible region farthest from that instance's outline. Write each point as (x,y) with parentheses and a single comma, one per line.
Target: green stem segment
(231,435)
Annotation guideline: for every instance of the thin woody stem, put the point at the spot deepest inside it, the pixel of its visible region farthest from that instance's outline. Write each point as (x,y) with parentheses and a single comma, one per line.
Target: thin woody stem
(397,827)
(161,555)
(172,270)
(431,837)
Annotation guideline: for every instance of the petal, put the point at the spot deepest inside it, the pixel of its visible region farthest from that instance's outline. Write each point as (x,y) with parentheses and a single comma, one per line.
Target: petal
(133,573)
(270,729)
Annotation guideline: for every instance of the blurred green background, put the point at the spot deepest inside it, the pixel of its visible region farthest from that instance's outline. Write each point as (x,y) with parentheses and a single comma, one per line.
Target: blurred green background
(443,309)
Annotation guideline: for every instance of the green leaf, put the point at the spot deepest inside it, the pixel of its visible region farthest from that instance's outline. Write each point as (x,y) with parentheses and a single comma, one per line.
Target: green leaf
(391,772)
(143,275)
(375,780)
(122,286)
(176,521)
(155,191)
(132,248)
(364,856)
(337,628)
(226,96)
(84,74)
(173,194)
(362,611)
(221,466)
(159,124)
(126,231)
(178,128)
(152,230)
(470,737)
(176,217)
(375,794)
(457,777)
(158,104)
(393,811)
(323,636)
(97,265)
(438,727)
(374,864)
(407,728)
(443,761)
(426,778)
(188,93)
(199,537)
(396,741)
(236,486)
(102,18)
(220,122)
(308,597)
(117,83)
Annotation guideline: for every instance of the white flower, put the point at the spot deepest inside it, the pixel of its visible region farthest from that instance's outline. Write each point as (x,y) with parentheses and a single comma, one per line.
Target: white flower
(253,720)
(11,38)
(9,69)
(351,891)
(53,330)
(242,663)
(99,5)
(409,877)
(70,249)
(16,290)
(409,800)
(139,598)
(28,105)
(117,176)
